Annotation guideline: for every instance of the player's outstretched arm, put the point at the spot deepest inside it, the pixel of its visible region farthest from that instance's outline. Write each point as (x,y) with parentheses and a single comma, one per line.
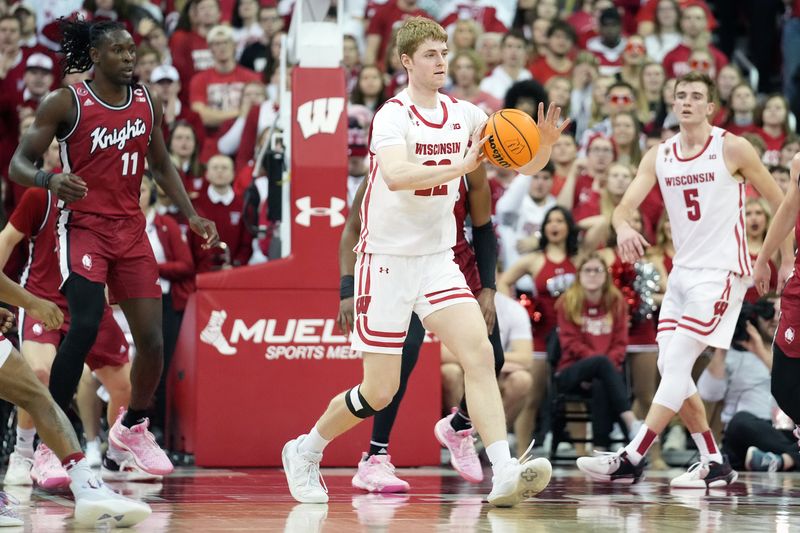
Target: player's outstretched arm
(780,230)
(168,179)
(55,111)
(630,242)
(347,261)
(10,237)
(484,241)
(549,132)
(401,174)
(740,154)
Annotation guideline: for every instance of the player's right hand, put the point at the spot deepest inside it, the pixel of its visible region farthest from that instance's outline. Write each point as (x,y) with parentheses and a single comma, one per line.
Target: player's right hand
(345,318)
(6,320)
(630,244)
(475,155)
(761,276)
(47,313)
(68,187)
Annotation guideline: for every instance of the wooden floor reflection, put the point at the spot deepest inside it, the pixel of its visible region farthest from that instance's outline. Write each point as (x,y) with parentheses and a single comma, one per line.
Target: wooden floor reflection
(200,501)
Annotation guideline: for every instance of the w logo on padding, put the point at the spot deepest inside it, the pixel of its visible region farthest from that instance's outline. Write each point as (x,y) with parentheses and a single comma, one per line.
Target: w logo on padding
(306,211)
(319,116)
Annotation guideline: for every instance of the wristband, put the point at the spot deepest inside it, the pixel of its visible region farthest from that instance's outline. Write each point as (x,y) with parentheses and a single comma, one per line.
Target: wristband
(42,179)
(347,287)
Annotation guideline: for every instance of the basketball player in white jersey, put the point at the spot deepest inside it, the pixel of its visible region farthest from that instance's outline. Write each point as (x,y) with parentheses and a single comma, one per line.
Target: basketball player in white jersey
(701,172)
(419,149)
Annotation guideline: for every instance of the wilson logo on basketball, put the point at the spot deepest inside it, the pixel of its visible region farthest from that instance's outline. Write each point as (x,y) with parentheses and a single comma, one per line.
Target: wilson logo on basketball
(496,157)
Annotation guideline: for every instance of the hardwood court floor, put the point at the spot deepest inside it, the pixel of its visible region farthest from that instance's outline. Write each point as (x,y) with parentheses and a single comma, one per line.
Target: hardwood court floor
(198,501)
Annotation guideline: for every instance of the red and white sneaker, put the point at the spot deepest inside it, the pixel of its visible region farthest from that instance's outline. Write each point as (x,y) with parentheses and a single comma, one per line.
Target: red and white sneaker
(376,474)
(461,444)
(138,445)
(48,472)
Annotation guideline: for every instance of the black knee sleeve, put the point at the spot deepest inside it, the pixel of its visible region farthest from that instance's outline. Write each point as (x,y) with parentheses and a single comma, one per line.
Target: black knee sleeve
(357,404)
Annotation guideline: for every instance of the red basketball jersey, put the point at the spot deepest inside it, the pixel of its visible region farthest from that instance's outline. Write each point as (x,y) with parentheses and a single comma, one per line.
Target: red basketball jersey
(107,147)
(35,217)
(789,324)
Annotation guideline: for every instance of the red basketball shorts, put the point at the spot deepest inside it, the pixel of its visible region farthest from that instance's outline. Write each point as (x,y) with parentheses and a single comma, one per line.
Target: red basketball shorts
(115,252)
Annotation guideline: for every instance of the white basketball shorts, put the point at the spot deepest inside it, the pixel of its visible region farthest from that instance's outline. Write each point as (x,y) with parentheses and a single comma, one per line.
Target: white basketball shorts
(703,303)
(388,288)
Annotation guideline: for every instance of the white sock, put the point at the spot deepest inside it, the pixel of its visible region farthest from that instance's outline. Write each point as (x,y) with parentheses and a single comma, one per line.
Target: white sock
(80,473)
(24,445)
(709,451)
(499,454)
(314,442)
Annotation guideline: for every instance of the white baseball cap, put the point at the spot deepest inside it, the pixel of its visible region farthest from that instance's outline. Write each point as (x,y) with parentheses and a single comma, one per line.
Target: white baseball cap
(164,72)
(220,32)
(39,60)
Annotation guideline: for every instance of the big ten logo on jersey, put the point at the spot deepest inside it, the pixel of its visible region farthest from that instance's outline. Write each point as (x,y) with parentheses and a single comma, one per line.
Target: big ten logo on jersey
(320,116)
(560,282)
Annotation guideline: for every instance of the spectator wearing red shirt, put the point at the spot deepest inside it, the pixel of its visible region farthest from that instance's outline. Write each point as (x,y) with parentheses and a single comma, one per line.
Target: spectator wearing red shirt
(466,71)
(695,36)
(773,120)
(176,277)
(216,94)
(484,15)
(188,45)
(555,59)
(609,44)
(220,204)
(646,17)
(593,330)
(587,178)
(37,80)
(742,115)
(166,84)
(184,149)
(381,25)
(12,56)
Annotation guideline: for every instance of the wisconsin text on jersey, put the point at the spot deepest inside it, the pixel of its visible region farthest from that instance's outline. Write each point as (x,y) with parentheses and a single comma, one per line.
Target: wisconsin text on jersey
(438,148)
(690,179)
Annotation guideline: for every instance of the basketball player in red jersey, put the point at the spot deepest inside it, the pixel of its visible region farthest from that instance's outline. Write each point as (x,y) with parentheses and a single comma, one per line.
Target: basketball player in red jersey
(105,128)
(701,172)
(95,503)
(786,346)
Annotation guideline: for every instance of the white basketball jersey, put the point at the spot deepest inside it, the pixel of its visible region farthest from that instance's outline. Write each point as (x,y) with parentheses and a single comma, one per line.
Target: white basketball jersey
(705,205)
(415,222)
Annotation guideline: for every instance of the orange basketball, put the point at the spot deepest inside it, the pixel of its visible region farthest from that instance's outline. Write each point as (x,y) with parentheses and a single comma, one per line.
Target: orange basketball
(513,138)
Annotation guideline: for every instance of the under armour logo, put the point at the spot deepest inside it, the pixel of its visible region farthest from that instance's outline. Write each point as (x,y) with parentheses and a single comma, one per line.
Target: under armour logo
(383,269)
(306,211)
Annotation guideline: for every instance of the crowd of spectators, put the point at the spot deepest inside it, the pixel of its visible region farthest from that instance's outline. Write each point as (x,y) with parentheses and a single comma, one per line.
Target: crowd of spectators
(610,65)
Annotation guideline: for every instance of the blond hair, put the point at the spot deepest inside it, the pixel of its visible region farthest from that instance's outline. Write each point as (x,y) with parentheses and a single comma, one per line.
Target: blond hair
(415,31)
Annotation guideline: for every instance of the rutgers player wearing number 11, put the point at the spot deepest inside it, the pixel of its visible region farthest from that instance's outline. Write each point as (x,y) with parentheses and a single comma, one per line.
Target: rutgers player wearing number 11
(420,148)
(105,128)
(701,172)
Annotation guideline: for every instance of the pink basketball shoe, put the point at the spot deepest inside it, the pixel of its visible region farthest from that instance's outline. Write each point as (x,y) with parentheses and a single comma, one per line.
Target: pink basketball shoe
(47,471)
(139,445)
(376,474)
(462,449)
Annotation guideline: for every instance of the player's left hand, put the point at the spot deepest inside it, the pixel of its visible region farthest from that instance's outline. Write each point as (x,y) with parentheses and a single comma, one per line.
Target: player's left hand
(6,319)
(761,276)
(206,229)
(549,130)
(486,302)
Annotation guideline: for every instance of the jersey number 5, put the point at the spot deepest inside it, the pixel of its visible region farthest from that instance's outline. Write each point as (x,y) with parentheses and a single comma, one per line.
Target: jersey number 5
(693,206)
(439,190)
(130,161)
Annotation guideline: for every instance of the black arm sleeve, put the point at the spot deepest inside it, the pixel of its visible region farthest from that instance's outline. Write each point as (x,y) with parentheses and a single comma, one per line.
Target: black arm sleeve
(485,243)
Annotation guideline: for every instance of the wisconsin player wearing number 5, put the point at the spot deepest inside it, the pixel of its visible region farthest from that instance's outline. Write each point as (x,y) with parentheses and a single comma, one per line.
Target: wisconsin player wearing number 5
(701,172)
(106,127)
(420,147)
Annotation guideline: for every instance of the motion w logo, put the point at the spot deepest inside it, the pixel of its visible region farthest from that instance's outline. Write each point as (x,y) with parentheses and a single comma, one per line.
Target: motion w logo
(319,116)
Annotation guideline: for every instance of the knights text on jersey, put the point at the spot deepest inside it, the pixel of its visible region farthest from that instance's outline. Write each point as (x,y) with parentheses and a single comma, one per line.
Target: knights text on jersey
(107,148)
(417,222)
(705,204)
